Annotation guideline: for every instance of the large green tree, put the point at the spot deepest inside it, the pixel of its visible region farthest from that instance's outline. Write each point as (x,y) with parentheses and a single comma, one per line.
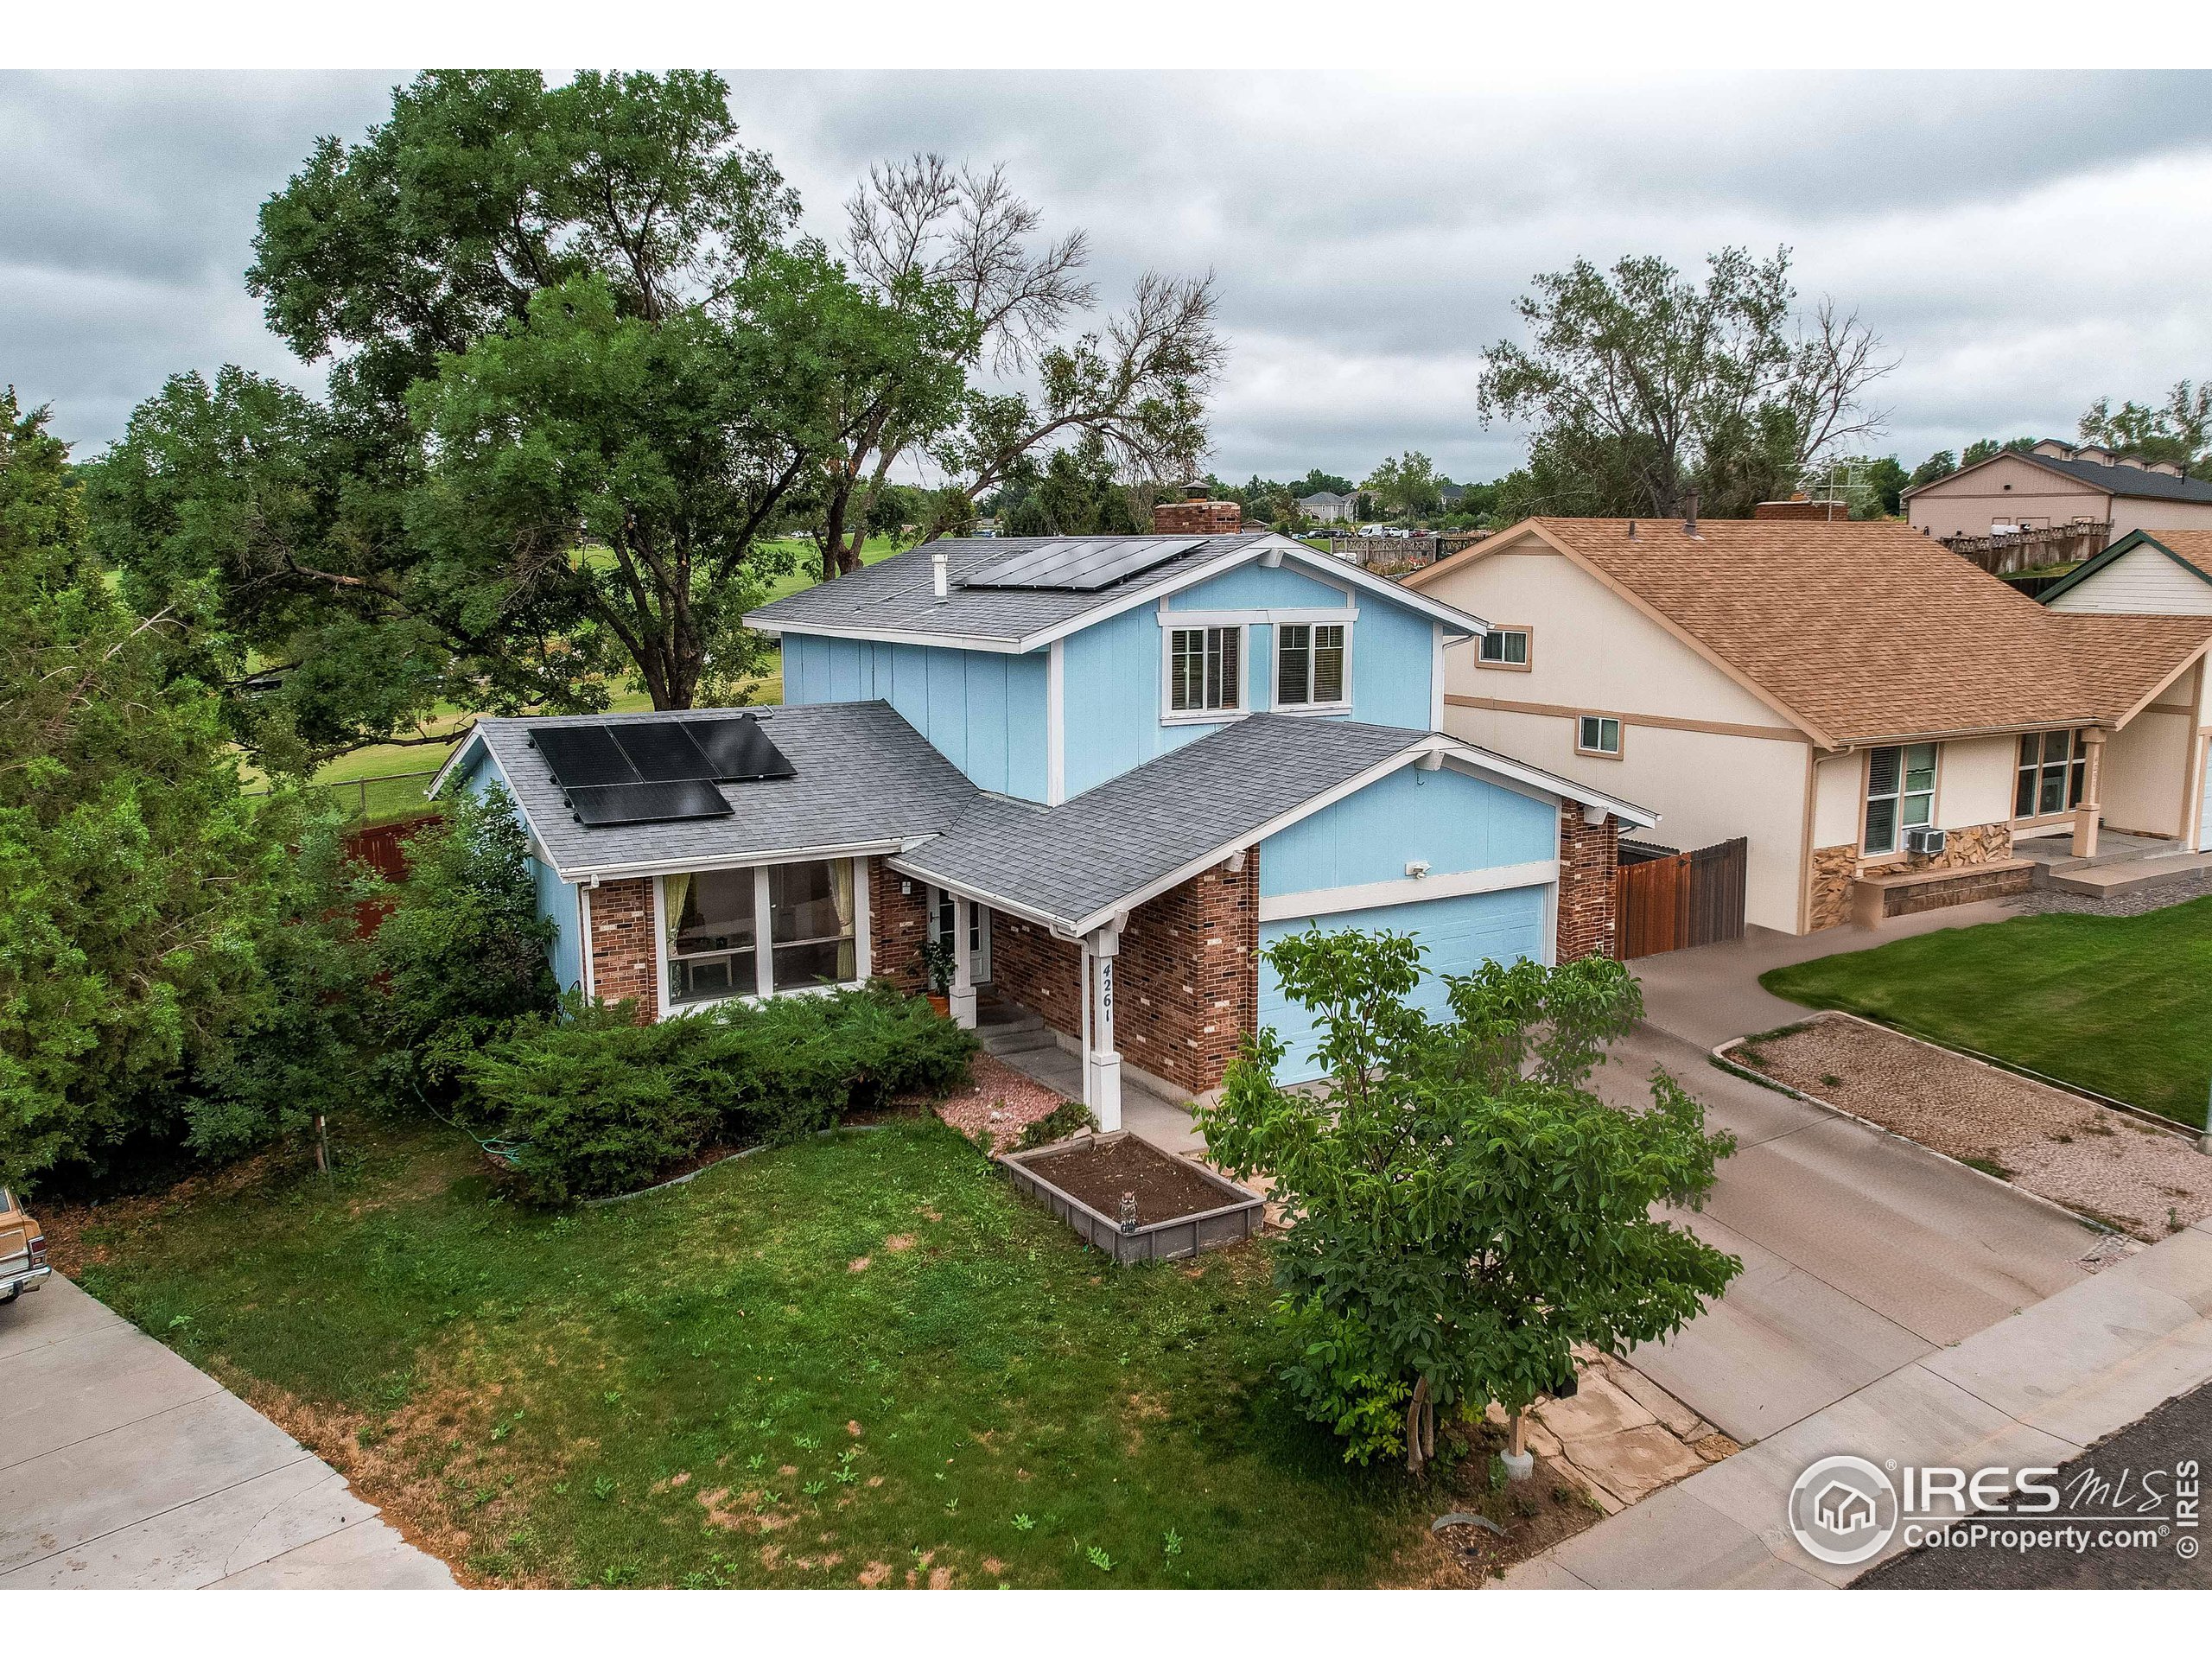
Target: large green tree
(171,970)
(2179,430)
(1462,1209)
(1641,385)
(580,363)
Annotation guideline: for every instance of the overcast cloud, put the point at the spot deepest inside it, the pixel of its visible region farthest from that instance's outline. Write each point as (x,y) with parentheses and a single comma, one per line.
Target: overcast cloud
(2023,243)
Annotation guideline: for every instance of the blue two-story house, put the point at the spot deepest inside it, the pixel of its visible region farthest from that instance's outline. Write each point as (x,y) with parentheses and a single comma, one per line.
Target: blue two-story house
(1110,770)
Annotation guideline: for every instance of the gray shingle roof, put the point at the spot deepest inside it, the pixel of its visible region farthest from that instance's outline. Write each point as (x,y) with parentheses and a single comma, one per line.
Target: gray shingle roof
(1071,861)
(2129,481)
(864,775)
(897,595)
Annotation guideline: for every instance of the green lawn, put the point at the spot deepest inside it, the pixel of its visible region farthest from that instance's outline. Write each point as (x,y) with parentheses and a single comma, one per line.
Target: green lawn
(2122,1005)
(851,1359)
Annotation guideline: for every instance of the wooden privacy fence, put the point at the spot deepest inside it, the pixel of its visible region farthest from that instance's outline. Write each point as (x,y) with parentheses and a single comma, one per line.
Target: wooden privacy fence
(1674,900)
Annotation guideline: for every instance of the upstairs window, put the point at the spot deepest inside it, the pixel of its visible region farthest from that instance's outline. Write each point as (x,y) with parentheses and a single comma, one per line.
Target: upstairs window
(1309,665)
(2054,767)
(1597,735)
(1204,670)
(1900,795)
(1504,648)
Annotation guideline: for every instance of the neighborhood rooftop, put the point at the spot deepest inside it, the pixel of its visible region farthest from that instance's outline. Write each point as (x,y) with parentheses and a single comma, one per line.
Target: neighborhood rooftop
(2141,483)
(897,598)
(1869,631)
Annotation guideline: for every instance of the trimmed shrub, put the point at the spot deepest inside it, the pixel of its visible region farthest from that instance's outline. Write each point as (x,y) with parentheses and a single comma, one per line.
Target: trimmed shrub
(593,1104)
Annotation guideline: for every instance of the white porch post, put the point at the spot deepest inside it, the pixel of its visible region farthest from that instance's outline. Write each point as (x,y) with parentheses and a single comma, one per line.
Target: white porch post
(2092,792)
(963,966)
(1102,1062)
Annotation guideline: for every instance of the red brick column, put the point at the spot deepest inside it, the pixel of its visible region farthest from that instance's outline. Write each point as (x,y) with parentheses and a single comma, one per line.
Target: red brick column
(898,923)
(625,955)
(1587,858)
(1187,987)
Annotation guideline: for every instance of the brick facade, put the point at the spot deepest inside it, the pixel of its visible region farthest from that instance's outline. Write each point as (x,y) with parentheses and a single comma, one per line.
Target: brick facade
(625,955)
(898,924)
(1043,973)
(1197,517)
(1588,856)
(1187,985)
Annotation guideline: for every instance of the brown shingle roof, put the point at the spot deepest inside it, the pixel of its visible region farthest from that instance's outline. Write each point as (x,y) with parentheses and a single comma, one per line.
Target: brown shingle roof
(1870,629)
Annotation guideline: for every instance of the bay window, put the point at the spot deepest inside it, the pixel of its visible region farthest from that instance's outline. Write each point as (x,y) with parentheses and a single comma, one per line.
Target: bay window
(713,946)
(1900,795)
(1205,669)
(1309,665)
(2053,768)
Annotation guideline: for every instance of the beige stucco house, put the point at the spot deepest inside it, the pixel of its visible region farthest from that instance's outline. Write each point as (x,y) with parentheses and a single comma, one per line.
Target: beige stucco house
(2057,484)
(1826,690)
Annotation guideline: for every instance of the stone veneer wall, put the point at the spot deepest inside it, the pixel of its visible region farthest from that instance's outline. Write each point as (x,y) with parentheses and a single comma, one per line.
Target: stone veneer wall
(1588,856)
(1835,868)
(1968,886)
(625,955)
(1187,985)
(898,923)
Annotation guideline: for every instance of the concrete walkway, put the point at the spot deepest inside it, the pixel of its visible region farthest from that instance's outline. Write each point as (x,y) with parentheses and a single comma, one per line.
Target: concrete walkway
(2031,1390)
(124,1467)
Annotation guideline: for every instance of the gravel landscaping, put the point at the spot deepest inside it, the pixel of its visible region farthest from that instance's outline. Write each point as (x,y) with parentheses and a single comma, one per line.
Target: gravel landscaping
(2145,1181)
(998,1104)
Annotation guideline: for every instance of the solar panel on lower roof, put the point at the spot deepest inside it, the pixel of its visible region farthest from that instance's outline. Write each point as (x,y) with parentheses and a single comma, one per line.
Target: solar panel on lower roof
(1082,566)
(740,750)
(663,803)
(583,757)
(662,750)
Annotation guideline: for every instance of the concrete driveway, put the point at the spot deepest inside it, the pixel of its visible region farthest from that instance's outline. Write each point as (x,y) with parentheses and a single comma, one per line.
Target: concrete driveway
(124,1467)
(1862,1252)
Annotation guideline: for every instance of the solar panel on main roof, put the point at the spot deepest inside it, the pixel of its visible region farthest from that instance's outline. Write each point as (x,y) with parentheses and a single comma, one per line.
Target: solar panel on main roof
(1082,566)
(662,803)
(662,750)
(740,750)
(583,757)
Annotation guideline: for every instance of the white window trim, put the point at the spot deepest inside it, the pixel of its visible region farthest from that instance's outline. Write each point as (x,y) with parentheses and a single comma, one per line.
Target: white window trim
(1169,713)
(1897,825)
(1620,737)
(1341,706)
(764,947)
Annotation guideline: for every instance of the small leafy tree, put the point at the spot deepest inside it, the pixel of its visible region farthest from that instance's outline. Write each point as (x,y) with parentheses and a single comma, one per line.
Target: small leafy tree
(463,955)
(1463,1210)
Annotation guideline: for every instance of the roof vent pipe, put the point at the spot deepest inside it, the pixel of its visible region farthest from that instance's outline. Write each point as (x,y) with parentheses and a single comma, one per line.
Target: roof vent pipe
(940,576)
(1689,512)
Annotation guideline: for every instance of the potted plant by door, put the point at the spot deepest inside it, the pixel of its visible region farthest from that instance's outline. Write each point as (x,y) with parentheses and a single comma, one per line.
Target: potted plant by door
(937,961)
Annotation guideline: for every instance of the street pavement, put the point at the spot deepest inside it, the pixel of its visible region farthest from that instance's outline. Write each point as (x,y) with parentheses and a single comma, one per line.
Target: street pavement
(124,1467)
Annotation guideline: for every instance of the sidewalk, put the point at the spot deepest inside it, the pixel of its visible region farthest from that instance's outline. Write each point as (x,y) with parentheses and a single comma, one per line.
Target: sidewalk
(122,1467)
(2033,1389)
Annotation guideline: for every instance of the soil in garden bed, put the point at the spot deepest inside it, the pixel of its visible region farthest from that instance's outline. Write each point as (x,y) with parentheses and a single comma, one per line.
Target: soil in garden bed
(1098,1175)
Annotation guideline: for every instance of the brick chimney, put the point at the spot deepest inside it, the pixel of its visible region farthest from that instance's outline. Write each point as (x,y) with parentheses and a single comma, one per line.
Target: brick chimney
(1197,515)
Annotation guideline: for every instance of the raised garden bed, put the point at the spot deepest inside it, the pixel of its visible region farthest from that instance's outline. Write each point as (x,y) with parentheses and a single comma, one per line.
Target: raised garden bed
(1181,1207)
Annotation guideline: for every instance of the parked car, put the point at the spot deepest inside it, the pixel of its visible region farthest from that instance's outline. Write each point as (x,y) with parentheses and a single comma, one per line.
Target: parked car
(23,1249)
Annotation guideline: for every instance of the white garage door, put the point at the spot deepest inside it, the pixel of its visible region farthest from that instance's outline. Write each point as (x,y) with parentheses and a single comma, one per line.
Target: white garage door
(1457,934)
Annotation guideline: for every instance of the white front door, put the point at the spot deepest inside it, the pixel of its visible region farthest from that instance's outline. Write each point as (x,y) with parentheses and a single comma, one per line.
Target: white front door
(979,932)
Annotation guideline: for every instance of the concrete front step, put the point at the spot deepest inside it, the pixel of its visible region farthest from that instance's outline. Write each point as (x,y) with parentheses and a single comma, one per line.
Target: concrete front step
(2110,881)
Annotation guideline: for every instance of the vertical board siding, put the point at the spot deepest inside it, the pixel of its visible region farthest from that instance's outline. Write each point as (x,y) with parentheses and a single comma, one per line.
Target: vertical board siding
(983,710)
(556,902)
(1454,821)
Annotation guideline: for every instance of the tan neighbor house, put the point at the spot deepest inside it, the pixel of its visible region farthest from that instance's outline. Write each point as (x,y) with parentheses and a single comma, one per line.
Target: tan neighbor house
(2057,483)
(1824,690)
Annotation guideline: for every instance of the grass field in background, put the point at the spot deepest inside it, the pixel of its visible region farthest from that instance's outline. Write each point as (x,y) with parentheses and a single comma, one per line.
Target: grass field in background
(2121,1005)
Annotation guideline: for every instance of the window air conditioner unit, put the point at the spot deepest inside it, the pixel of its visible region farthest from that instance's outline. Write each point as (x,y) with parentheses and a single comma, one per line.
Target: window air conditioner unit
(1925,840)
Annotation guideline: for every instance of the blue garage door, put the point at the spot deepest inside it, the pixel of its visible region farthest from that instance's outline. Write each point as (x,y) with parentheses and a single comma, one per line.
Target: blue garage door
(1457,934)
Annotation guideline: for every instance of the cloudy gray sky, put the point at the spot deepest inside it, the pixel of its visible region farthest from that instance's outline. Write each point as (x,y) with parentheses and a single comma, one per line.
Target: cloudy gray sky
(2024,243)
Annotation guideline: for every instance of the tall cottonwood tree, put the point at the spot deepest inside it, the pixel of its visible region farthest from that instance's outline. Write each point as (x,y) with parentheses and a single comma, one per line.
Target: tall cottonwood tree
(580,361)
(1642,384)
(1133,390)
